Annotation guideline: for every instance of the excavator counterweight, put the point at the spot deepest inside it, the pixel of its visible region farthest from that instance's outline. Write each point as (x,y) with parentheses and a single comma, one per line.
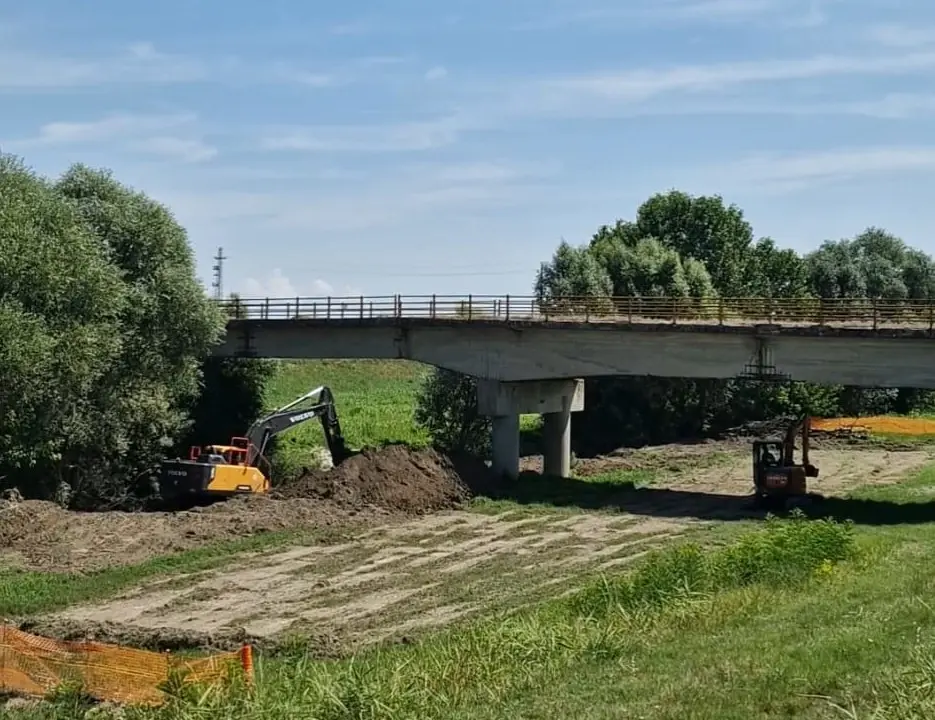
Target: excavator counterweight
(241,467)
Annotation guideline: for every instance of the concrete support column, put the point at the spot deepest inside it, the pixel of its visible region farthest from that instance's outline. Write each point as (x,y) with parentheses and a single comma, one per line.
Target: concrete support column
(556,432)
(505,445)
(555,400)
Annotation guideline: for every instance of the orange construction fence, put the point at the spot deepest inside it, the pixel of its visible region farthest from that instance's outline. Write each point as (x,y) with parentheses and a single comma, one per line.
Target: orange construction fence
(877,423)
(33,665)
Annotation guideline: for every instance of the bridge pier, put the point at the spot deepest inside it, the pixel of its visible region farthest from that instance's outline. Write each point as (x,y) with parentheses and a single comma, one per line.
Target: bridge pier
(555,400)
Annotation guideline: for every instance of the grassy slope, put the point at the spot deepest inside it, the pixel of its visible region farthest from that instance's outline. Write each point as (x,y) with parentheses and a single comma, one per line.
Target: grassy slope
(855,635)
(375,400)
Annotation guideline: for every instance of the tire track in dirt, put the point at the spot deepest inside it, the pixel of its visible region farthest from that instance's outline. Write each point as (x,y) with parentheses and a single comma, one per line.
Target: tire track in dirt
(432,570)
(387,581)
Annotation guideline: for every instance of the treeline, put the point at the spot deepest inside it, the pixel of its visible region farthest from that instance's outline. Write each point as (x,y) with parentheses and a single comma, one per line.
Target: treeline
(699,247)
(105,338)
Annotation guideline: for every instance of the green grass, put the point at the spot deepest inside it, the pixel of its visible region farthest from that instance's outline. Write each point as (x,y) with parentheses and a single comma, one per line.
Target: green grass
(375,399)
(795,618)
(529,659)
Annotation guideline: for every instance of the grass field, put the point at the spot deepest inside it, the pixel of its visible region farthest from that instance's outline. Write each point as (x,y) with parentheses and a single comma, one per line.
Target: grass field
(548,604)
(799,619)
(375,400)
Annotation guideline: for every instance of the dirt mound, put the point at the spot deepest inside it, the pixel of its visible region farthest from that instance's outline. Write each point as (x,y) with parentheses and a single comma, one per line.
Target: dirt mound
(395,478)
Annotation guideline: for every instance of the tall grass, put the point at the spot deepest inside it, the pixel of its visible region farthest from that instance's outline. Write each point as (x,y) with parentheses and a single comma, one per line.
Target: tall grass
(489,661)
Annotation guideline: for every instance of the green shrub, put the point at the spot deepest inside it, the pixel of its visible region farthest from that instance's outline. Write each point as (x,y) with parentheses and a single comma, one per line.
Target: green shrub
(783,552)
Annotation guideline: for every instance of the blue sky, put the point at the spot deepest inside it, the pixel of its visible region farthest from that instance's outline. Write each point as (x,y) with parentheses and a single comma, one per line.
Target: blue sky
(447,147)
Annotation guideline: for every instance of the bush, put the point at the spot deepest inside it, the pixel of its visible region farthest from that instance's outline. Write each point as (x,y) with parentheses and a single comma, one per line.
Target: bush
(782,553)
(446,407)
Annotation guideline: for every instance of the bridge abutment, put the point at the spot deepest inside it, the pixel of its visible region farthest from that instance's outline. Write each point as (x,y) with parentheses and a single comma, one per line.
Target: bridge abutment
(555,400)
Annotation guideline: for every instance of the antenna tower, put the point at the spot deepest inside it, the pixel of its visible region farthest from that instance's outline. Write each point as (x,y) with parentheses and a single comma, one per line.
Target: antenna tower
(218,268)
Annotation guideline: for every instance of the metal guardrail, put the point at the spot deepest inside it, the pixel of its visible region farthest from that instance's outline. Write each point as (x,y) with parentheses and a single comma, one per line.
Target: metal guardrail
(836,312)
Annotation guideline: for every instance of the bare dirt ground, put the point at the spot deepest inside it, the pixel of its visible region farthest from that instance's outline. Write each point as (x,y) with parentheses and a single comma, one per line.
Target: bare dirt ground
(402,575)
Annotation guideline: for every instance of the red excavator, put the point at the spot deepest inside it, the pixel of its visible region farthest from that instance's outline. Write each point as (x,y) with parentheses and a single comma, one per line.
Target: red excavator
(777,477)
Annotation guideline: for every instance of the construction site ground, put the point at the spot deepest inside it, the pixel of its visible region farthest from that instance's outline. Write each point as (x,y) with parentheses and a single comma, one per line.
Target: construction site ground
(392,544)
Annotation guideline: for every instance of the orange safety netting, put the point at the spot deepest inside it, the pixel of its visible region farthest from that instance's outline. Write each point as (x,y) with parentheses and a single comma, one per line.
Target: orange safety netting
(33,665)
(876,423)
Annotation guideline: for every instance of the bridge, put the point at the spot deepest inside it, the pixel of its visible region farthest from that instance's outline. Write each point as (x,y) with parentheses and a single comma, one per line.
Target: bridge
(530,355)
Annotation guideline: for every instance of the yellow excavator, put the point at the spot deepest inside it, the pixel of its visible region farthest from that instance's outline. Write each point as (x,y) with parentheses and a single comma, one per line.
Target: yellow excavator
(777,477)
(219,471)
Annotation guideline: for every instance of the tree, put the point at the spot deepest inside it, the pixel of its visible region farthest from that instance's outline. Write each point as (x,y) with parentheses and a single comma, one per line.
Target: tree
(104,329)
(698,247)
(447,407)
(231,397)
(168,324)
(703,228)
(60,307)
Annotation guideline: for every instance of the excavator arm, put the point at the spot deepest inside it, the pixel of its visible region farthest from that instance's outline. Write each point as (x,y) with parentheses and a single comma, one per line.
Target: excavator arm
(317,403)
(803,424)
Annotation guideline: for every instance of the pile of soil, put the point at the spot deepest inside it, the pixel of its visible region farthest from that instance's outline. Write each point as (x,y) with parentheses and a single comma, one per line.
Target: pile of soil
(374,487)
(394,478)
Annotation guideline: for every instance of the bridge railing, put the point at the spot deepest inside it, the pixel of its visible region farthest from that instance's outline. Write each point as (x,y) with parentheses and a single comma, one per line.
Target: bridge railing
(835,312)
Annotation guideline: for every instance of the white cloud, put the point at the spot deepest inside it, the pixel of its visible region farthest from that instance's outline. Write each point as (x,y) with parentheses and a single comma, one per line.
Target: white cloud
(276,285)
(795,171)
(104,130)
(608,14)
(402,195)
(140,63)
(404,137)
(436,73)
(189,151)
(714,9)
(902,36)
(636,85)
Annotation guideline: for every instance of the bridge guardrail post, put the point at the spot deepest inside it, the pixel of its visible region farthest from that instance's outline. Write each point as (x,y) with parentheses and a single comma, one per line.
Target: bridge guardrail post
(470,307)
(508,308)
(361,307)
(297,305)
(873,307)
(266,309)
(328,309)
(432,311)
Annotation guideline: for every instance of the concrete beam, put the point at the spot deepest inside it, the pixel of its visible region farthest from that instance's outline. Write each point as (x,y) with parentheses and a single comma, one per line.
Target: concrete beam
(500,351)
(532,396)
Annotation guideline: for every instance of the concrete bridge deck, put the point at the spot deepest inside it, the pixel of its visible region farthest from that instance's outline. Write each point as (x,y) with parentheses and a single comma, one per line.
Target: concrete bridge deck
(529,354)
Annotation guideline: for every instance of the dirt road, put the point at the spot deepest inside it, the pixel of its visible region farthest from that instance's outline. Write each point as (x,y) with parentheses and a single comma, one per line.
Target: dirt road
(398,577)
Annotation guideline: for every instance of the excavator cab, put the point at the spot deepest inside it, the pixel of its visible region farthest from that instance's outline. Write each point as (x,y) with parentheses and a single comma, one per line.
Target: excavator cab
(777,477)
(215,471)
